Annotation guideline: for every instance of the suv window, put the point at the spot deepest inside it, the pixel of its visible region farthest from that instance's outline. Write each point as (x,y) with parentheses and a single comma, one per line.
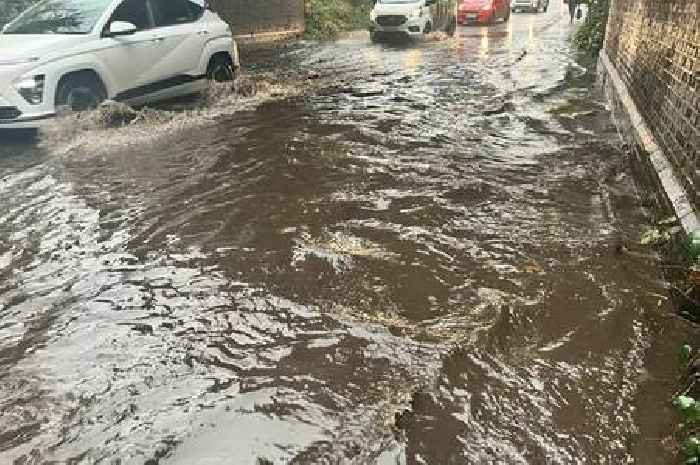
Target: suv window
(171,12)
(58,17)
(135,12)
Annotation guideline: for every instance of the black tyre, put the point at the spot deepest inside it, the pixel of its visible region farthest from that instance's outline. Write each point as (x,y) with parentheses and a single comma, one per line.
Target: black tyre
(79,92)
(220,69)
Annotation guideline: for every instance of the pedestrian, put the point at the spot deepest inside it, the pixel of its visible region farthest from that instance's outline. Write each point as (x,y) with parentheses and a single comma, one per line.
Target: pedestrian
(573,6)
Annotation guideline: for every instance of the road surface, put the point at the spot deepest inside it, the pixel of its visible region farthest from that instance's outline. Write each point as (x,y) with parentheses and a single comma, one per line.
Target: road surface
(418,262)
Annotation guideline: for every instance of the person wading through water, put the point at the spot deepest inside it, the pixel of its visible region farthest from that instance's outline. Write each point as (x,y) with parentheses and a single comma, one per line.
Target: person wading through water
(573,6)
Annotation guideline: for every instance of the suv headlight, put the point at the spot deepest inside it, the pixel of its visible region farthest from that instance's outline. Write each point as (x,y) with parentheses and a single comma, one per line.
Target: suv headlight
(31,89)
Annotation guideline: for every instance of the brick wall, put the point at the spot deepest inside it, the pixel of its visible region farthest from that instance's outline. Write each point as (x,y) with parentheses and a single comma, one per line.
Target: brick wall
(655,47)
(260,16)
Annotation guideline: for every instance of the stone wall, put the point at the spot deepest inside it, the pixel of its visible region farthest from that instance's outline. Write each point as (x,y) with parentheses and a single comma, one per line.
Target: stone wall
(654,45)
(250,17)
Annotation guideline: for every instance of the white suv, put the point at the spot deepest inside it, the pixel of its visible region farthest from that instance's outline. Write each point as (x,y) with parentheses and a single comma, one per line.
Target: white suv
(406,17)
(72,54)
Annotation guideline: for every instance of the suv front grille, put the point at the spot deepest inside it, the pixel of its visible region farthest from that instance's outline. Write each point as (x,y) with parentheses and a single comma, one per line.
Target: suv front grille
(9,113)
(391,20)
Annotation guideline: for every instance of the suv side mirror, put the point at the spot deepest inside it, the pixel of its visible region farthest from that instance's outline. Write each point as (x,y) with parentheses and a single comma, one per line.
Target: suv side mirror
(121,28)
(430,2)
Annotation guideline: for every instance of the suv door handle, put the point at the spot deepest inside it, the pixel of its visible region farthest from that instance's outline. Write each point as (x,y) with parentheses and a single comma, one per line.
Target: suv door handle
(203,32)
(158,39)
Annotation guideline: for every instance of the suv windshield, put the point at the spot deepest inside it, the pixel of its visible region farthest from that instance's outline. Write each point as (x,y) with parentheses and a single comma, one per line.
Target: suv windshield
(59,17)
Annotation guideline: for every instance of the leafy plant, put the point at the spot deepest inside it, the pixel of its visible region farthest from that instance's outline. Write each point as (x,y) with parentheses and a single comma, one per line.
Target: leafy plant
(654,236)
(692,245)
(691,449)
(689,408)
(686,354)
(591,34)
(325,19)
(661,234)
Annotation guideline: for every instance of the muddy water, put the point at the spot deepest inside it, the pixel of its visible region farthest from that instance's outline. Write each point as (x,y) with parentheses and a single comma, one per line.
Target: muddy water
(416,263)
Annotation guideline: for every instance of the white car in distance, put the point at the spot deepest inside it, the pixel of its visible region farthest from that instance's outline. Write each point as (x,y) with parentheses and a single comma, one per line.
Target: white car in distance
(409,18)
(72,54)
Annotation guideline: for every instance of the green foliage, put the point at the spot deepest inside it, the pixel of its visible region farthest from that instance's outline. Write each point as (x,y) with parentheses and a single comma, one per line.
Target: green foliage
(325,19)
(689,409)
(686,354)
(691,246)
(684,404)
(667,230)
(691,450)
(591,34)
(659,235)
(9,9)
(653,237)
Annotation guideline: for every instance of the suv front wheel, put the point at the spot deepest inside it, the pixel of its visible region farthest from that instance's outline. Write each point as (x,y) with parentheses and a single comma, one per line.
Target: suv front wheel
(79,92)
(220,69)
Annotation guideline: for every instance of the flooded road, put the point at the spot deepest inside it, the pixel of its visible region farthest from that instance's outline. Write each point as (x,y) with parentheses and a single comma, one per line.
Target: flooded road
(416,263)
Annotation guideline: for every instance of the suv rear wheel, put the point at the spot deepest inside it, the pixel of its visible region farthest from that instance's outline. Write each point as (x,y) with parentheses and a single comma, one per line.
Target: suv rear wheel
(79,92)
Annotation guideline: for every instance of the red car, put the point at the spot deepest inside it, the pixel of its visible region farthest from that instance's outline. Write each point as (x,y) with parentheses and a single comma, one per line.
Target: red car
(483,11)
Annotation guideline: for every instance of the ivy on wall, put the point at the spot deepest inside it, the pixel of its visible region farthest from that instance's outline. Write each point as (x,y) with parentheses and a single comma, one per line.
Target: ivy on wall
(325,19)
(591,34)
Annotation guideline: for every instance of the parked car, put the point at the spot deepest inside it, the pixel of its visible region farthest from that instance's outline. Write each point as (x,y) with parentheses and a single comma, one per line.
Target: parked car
(533,6)
(482,11)
(410,18)
(72,54)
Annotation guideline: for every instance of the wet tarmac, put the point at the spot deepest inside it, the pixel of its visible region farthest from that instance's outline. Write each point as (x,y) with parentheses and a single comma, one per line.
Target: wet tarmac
(417,262)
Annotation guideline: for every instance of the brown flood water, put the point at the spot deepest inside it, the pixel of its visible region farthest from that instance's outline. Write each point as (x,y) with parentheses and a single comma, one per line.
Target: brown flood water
(414,264)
